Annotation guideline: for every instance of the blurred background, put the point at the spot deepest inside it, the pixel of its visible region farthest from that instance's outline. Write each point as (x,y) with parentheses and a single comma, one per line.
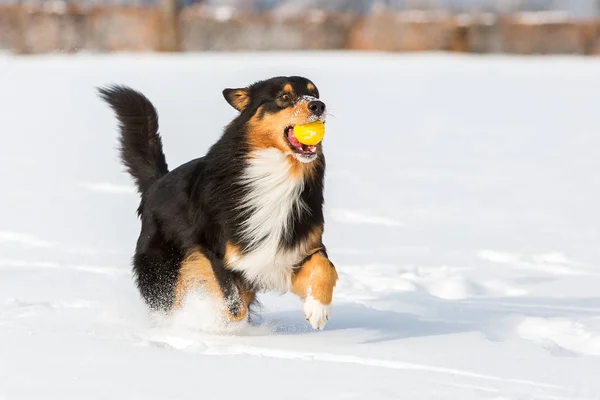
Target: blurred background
(467,26)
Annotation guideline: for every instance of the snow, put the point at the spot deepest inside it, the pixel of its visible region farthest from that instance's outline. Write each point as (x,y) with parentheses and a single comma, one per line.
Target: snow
(462,214)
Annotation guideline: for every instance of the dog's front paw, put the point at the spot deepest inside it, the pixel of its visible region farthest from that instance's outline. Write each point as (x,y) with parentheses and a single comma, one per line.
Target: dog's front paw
(316,313)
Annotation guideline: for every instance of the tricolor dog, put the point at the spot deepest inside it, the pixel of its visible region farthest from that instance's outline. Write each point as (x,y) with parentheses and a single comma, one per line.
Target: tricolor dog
(244,218)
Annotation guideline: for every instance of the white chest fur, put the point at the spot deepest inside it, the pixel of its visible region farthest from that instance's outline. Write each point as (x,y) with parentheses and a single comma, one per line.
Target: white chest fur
(273,197)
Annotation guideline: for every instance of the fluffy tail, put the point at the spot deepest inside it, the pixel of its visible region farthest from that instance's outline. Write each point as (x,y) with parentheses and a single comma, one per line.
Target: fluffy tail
(141,146)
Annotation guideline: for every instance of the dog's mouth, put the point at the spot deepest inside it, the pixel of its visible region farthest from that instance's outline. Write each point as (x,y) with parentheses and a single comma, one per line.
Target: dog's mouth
(304,150)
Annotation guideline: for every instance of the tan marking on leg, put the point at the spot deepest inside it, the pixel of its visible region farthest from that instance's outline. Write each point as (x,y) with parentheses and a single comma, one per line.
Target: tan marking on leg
(242,313)
(246,294)
(317,277)
(196,272)
(246,298)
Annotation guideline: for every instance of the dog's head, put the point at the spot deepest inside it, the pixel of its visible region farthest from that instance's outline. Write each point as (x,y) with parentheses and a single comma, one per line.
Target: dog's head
(270,109)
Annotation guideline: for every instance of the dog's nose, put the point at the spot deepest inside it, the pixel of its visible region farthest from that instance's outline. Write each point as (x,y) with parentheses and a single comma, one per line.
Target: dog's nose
(317,107)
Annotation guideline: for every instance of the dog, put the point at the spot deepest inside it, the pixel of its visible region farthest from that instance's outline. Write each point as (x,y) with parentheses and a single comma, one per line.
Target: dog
(247,217)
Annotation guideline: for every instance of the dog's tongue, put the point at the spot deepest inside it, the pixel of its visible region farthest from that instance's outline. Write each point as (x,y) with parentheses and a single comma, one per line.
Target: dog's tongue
(292,138)
(296,143)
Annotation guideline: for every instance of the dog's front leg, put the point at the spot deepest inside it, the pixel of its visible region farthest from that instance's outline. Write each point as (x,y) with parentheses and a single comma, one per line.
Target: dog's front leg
(314,282)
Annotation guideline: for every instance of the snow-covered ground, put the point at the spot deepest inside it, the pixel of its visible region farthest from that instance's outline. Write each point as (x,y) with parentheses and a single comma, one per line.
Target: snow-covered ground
(462,210)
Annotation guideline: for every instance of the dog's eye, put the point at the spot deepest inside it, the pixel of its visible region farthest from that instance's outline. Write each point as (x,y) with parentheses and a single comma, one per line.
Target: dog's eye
(284,100)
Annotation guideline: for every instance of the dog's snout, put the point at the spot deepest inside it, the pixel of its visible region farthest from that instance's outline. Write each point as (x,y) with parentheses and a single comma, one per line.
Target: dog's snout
(317,107)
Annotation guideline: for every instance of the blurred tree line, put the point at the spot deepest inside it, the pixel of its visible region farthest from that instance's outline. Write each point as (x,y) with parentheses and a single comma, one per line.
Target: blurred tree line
(576,8)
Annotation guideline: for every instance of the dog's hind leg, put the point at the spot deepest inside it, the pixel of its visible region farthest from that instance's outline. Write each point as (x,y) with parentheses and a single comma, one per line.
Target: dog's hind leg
(198,272)
(155,266)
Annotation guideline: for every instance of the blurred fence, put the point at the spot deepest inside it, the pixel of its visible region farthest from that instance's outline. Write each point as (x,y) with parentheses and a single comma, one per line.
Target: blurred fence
(168,26)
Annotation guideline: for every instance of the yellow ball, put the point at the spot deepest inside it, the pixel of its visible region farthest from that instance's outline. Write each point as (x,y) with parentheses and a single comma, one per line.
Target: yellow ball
(311,133)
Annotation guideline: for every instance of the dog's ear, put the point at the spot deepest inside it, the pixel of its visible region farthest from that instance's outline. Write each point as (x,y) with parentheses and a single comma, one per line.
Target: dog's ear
(238,98)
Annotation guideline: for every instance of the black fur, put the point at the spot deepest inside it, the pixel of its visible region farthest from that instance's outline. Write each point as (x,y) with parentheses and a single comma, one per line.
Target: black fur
(197,204)
(141,146)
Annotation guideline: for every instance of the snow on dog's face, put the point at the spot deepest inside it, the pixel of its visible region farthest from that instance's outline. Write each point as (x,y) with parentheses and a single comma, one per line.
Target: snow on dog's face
(272,109)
